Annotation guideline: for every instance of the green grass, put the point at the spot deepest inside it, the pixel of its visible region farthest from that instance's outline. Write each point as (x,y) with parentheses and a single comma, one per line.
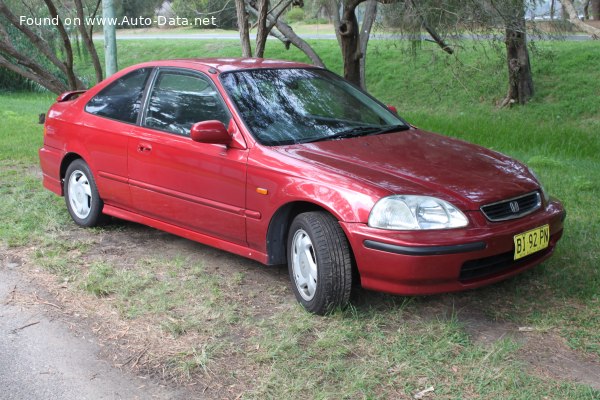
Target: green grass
(383,346)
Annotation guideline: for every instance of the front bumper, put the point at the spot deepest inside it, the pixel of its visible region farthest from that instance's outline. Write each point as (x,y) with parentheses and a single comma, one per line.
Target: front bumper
(428,262)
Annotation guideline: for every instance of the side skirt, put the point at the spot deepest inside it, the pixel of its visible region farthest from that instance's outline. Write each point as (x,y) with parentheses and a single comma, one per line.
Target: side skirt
(186,233)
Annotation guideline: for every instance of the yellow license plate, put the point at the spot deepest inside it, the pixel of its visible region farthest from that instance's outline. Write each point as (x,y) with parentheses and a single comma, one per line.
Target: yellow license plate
(529,242)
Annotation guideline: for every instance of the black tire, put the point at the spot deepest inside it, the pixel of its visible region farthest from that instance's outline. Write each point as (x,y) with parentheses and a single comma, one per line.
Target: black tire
(81,195)
(317,242)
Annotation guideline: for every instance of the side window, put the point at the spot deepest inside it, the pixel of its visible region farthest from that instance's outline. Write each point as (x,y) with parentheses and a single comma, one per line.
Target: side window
(122,99)
(179,100)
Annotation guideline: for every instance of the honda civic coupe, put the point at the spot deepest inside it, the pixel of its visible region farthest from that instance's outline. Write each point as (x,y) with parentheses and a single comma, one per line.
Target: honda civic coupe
(283,162)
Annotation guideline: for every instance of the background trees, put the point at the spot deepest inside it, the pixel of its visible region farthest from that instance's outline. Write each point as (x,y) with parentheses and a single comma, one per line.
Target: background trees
(44,53)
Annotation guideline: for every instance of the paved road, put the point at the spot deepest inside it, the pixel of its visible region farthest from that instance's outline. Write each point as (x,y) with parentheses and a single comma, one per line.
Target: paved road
(46,361)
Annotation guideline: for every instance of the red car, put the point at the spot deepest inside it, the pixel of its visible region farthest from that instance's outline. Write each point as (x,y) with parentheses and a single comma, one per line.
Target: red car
(283,162)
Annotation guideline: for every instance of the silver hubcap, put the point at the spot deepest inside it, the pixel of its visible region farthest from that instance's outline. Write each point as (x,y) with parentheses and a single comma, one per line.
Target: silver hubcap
(80,194)
(304,265)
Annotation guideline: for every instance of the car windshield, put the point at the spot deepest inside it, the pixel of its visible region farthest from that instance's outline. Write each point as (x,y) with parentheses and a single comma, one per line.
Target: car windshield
(301,105)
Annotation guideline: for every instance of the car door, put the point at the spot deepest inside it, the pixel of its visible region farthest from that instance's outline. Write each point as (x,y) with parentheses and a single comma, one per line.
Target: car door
(104,130)
(193,185)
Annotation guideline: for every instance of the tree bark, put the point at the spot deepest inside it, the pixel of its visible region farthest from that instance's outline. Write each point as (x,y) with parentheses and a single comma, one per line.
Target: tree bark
(43,78)
(35,40)
(335,5)
(299,43)
(350,44)
(365,34)
(27,67)
(242,20)
(595,10)
(289,33)
(348,34)
(520,80)
(586,10)
(89,43)
(262,31)
(74,82)
(432,32)
(574,19)
(110,38)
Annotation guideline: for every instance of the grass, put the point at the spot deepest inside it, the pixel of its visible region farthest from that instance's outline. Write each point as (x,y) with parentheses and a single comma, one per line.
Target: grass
(382,346)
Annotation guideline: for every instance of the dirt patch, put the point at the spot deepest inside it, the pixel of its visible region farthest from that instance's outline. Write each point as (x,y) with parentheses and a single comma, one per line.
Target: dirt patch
(141,345)
(546,352)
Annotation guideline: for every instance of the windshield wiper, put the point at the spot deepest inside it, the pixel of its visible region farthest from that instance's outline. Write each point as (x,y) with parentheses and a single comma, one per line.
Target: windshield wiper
(366,130)
(390,128)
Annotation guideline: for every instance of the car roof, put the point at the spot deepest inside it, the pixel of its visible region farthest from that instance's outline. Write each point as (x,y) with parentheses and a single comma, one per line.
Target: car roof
(226,64)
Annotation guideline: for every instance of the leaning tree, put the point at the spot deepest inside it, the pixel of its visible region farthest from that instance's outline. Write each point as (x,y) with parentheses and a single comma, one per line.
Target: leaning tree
(44,53)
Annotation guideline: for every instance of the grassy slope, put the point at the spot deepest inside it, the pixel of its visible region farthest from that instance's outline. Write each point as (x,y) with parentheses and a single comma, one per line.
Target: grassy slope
(384,348)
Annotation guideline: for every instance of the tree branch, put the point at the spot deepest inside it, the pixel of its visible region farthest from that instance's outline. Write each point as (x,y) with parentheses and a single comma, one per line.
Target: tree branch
(432,32)
(35,40)
(574,19)
(74,82)
(89,43)
(289,33)
(32,70)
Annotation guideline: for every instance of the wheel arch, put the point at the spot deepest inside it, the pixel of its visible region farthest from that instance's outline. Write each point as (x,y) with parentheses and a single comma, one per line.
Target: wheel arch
(66,161)
(277,233)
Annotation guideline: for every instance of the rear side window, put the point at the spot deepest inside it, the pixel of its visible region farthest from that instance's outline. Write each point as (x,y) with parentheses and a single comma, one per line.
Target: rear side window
(122,99)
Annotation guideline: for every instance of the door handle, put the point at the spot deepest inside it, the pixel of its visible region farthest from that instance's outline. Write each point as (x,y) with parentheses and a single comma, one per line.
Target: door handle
(144,147)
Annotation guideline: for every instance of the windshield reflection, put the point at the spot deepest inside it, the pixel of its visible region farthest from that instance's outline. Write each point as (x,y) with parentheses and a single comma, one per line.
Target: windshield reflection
(286,106)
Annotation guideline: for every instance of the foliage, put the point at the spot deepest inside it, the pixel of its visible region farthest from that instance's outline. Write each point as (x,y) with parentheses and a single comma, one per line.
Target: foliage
(223,10)
(136,8)
(296,14)
(46,59)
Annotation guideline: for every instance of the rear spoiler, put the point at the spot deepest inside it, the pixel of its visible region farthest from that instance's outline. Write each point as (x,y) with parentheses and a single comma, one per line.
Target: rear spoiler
(72,95)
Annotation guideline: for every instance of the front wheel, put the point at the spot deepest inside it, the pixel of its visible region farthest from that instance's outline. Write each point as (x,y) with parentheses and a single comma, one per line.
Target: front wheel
(81,195)
(319,262)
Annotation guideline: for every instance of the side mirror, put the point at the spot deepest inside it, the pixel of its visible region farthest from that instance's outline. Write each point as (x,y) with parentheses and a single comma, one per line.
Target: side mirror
(210,132)
(393,109)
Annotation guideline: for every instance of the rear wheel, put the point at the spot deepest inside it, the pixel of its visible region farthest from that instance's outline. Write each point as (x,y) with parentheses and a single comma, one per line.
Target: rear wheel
(319,262)
(81,195)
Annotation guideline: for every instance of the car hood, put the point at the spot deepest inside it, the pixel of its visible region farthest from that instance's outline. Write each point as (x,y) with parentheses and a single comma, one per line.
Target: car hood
(419,162)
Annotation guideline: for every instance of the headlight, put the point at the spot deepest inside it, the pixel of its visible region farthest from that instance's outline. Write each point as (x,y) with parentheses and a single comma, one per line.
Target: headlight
(414,213)
(542,188)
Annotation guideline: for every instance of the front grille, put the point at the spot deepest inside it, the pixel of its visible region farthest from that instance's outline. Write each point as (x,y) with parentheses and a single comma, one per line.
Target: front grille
(484,267)
(512,208)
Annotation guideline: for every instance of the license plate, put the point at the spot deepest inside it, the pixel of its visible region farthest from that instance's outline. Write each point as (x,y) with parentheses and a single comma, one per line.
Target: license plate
(529,242)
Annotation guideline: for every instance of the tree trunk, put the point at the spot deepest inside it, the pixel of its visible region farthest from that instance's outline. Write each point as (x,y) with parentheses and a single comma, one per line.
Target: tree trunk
(350,45)
(335,5)
(595,9)
(365,34)
(110,39)
(520,80)
(262,31)
(289,33)
(586,10)
(574,19)
(74,82)
(89,43)
(242,20)
(349,38)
